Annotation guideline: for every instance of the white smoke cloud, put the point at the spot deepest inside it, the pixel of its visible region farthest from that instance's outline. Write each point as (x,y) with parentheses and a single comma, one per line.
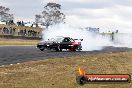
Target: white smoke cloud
(91,41)
(96,13)
(123,40)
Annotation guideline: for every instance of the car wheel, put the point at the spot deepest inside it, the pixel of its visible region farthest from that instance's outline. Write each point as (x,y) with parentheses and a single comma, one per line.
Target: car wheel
(42,48)
(58,48)
(79,48)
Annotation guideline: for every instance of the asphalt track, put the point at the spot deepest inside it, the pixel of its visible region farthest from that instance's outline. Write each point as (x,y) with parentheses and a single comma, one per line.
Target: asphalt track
(19,54)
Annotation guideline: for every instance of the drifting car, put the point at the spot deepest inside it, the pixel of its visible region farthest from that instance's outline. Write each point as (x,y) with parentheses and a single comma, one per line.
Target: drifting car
(61,43)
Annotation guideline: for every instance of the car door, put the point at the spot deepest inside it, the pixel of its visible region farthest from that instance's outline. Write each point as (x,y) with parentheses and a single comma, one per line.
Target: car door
(65,43)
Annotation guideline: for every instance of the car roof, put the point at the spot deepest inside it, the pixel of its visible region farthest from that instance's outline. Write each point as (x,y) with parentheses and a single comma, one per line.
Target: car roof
(63,37)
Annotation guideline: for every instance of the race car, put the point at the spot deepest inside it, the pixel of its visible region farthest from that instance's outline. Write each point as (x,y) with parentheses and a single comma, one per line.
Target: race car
(60,43)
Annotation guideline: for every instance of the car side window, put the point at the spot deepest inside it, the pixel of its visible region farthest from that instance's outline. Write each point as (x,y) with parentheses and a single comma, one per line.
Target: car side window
(66,40)
(72,40)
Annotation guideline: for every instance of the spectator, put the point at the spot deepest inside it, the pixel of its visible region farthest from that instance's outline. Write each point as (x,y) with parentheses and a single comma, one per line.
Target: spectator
(20,32)
(14,30)
(0,30)
(10,30)
(25,32)
(32,25)
(116,31)
(22,24)
(112,36)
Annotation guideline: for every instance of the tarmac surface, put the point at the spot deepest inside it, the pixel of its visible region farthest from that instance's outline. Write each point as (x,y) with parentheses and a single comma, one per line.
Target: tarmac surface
(19,54)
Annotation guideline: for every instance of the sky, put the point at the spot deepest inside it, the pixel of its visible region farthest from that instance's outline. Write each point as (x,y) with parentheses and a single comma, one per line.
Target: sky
(104,14)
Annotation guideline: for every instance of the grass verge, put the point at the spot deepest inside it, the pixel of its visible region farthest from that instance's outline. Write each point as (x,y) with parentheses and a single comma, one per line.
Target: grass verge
(8,42)
(61,72)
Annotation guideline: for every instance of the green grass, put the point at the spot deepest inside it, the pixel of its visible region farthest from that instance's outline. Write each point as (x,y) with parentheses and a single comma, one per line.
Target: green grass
(62,72)
(9,42)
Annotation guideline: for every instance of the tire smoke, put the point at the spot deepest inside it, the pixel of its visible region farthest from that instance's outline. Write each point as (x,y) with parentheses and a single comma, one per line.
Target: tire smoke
(123,40)
(91,41)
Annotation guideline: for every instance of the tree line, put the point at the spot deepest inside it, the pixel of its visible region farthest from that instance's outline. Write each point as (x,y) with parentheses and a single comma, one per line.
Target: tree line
(5,14)
(51,15)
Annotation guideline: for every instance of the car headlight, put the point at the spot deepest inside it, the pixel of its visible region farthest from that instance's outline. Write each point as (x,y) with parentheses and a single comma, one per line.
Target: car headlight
(48,45)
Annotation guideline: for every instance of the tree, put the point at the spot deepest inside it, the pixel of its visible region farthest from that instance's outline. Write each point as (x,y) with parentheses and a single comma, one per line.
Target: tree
(4,14)
(38,18)
(51,15)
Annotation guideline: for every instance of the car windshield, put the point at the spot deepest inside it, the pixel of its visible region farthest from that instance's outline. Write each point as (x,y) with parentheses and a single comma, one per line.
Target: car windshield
(58,39)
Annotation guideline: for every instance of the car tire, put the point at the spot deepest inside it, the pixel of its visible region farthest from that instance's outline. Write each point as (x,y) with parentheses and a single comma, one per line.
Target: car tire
(79,48)
(74,49)
(42,48)
(58,48)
